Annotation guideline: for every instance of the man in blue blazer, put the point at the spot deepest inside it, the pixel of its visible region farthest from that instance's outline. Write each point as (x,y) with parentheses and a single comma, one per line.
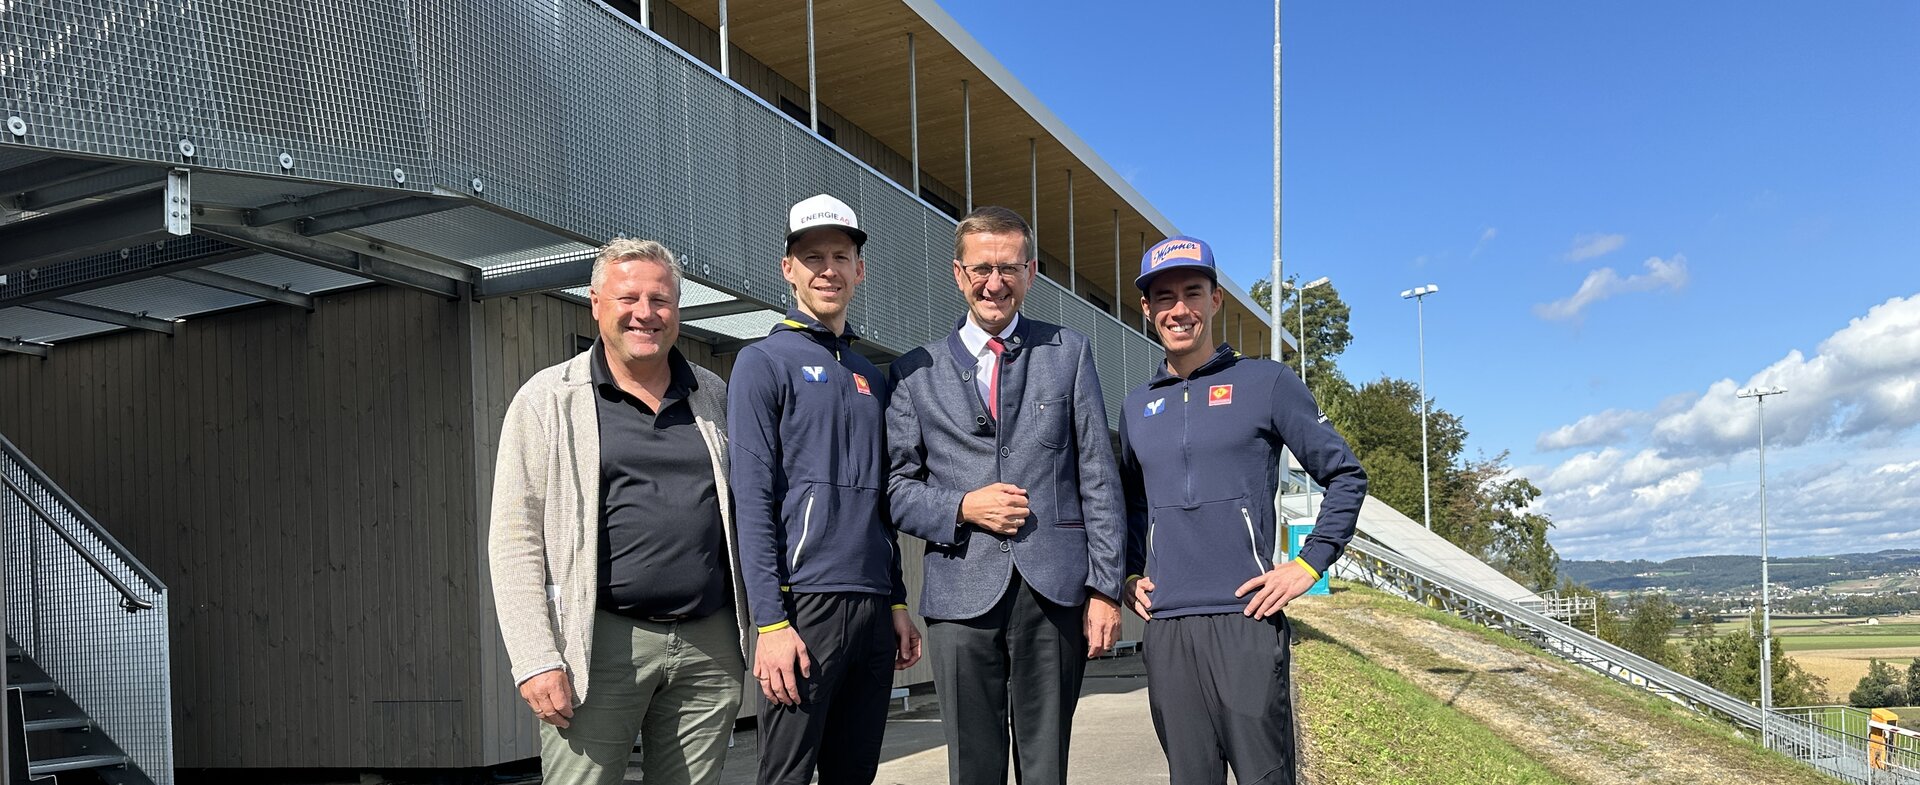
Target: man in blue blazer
(1000,460)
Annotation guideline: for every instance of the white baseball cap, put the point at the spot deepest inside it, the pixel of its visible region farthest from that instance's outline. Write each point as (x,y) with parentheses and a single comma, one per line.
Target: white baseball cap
(822,212)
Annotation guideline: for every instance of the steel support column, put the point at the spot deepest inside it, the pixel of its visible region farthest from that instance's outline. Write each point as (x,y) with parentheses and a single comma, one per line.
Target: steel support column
(1143,313)
(1118,294)
(726,58)
(1033,193)
(1073,260)
(813,81)
(966,137)
(913,111)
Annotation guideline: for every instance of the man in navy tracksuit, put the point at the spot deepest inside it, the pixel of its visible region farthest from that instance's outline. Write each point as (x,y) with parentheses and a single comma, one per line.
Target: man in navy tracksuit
(819,558)
(1200,463)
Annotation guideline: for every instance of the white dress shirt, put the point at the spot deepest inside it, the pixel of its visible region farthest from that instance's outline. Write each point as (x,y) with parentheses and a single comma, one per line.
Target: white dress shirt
(975,341)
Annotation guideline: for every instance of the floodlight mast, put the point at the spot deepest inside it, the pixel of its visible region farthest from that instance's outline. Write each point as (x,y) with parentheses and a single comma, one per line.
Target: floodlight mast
(1419,297)
(1300,305)
(1759,396)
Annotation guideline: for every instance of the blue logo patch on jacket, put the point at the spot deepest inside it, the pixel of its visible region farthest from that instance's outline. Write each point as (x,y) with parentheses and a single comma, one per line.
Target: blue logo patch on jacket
(1157,406)
(816,374)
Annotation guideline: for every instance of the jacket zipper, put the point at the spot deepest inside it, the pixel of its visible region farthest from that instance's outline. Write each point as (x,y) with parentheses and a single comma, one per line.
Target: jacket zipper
(1253,544)
(1186,435)
(1151,526)
(806,524)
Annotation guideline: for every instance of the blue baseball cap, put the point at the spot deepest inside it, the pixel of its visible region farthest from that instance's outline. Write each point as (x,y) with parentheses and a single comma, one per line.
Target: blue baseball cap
(1173,253)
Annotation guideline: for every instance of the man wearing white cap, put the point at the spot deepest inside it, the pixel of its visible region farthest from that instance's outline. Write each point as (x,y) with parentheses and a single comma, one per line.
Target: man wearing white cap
(819,559)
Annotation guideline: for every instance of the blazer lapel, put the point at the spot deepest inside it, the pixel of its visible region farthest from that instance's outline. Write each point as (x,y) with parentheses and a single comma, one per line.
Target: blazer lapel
(963,365)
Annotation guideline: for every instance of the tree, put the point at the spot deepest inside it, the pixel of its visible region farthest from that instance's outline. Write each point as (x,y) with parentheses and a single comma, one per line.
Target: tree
(1913,680)
(1381,421)
(1880,688)
(1488,515)
(1649,620)
(1730,662)
(1326,336)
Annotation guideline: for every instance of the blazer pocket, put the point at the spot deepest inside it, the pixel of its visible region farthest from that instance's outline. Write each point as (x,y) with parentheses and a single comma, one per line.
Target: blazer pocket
(1071,525)
(1053,421)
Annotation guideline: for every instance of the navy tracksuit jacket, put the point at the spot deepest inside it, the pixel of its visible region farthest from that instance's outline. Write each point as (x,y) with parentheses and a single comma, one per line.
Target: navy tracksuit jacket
(1200,464)
(807,437)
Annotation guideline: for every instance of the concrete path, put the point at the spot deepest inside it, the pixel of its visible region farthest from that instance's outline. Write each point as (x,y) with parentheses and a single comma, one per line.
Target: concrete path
(1113,739)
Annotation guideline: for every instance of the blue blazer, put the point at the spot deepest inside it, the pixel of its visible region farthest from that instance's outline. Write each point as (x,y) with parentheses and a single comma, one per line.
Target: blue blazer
(1051,440)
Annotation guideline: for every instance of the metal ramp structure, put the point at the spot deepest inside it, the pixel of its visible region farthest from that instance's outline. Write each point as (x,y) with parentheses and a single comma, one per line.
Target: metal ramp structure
(1824,740)
(1383,524)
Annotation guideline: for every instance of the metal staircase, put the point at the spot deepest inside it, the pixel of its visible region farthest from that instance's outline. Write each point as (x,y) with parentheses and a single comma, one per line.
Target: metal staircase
(1814,738)
(88,687)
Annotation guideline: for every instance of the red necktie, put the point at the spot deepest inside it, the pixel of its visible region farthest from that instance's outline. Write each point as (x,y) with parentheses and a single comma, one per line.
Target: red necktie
(996,346)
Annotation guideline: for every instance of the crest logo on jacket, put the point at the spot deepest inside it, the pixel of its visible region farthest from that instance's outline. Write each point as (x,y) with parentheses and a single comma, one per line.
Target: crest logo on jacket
(1157,406)
(860,383)
(1220,395)
(816,374)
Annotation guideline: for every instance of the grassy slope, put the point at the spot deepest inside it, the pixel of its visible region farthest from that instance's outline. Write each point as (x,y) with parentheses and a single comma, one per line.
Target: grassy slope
(1366,723)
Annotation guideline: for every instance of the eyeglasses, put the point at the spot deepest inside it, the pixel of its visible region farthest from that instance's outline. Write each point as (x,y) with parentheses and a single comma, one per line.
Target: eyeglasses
(981,272)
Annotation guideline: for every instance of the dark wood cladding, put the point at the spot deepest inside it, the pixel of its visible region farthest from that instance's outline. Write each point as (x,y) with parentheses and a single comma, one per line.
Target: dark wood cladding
(313,489)
(302,483)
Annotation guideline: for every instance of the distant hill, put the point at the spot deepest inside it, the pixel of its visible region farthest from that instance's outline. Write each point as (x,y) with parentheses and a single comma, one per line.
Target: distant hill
(1734,573)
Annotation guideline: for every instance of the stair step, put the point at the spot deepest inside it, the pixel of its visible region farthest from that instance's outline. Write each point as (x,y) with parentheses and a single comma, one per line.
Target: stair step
(31,687)
(75,763)
(52,711)
(57,723)
(24,671)
(127,776)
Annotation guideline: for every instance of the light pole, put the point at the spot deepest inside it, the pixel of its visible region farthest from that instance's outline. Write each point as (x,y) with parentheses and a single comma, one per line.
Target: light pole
(1759,396)
(1300,304)
(1419,297)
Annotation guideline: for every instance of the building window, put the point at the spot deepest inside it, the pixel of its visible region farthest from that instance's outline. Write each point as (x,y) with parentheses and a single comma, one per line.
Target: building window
(799,112)
(938,203)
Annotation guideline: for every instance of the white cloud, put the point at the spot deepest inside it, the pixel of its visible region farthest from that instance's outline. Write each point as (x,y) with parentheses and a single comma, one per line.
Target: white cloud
(1671,489)
(1864,379)
(1602,428)
(1593,246)
(1604,283)
(1680,477)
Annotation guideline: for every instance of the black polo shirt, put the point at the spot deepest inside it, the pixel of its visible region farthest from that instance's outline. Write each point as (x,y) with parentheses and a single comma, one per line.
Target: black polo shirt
(661,543)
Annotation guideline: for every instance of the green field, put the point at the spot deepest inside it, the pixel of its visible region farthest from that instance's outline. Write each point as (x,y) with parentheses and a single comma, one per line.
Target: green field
(1852,625)
(1837,642)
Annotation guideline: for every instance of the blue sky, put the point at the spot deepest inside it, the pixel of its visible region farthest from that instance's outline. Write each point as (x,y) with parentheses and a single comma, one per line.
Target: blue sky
(1627,206)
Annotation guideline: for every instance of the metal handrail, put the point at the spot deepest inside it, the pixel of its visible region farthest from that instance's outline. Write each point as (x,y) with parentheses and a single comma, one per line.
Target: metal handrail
(128,599)
(79,514)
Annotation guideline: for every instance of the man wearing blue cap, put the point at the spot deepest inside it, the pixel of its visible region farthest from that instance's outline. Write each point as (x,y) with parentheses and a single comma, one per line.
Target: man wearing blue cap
(1200,463)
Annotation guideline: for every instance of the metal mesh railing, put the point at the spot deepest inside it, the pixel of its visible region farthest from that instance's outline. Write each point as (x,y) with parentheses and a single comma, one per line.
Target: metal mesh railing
(74,603)
(1834,747)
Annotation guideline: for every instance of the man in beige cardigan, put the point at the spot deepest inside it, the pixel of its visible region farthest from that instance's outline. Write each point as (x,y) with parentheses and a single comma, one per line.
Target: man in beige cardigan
(612,546)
